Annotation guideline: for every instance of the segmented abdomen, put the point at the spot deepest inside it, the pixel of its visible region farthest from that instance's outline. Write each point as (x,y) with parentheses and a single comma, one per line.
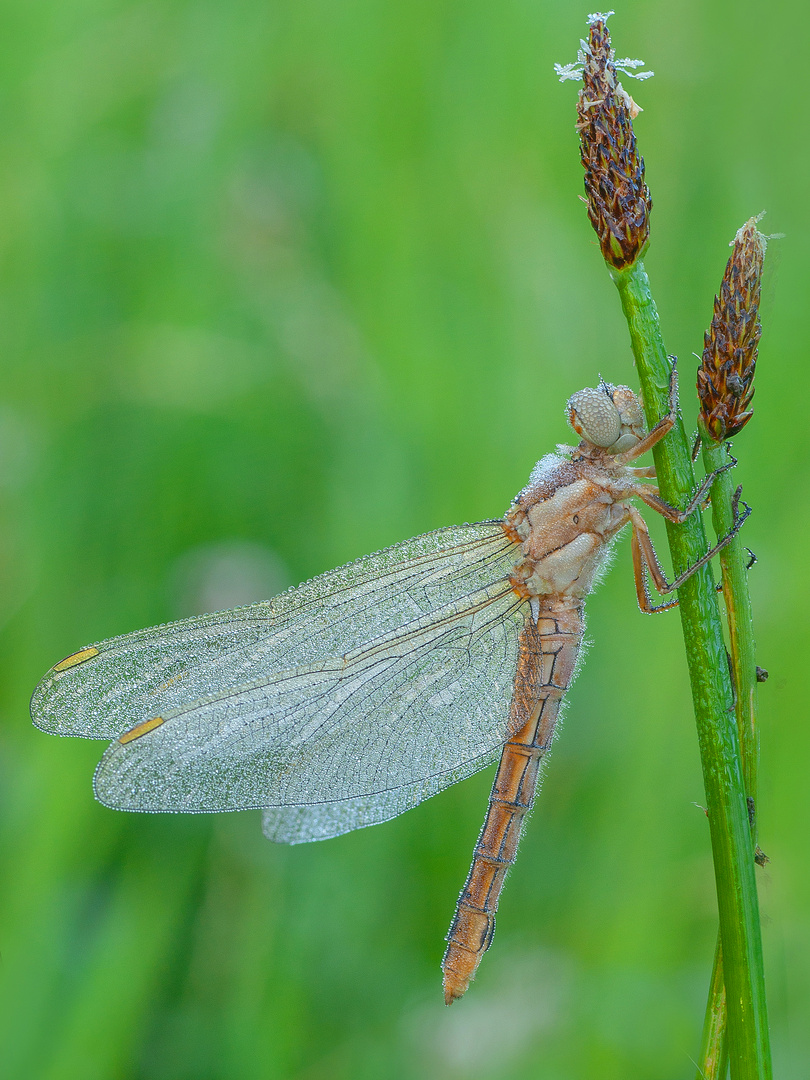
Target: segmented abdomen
(549,647)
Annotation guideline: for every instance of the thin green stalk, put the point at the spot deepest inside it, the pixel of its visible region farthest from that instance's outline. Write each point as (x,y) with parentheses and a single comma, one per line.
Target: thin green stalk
(733,563)
(711,1065)
(732,849)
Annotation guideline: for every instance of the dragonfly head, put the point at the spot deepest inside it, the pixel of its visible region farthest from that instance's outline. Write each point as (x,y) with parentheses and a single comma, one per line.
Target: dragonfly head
(608,417)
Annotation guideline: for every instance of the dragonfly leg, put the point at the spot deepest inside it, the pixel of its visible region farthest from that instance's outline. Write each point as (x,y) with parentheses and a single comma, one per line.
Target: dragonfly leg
(662,428)
(648,472)
(645,558)
(696,440)
(752,561)
(652,499)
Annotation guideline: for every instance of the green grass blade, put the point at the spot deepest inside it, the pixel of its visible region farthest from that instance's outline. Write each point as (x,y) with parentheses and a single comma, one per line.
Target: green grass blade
(732,848)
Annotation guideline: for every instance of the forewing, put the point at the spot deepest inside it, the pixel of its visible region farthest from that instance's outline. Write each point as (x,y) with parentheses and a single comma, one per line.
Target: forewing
(401,711)
(108,687)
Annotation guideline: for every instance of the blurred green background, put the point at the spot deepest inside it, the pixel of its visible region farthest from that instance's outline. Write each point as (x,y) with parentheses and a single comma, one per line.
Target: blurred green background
(284,283)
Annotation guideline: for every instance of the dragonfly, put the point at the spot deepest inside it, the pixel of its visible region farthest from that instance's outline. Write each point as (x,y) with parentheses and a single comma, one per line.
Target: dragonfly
(355,696)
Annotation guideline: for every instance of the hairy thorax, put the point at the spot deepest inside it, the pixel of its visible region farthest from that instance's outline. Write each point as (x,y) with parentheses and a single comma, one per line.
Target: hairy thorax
(564,519)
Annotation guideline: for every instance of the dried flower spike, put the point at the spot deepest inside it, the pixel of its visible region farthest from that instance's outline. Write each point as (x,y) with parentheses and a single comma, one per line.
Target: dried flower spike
(618,200)
(726,373)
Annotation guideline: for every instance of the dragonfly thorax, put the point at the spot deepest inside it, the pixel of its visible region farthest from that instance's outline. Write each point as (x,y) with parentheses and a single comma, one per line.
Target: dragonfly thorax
(563,520)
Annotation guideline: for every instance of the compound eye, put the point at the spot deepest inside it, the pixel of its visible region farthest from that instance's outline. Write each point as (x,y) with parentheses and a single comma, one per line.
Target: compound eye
(629,407)
(592,414)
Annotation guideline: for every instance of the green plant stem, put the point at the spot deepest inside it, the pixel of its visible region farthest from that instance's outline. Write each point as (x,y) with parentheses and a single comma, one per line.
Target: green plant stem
(711,1065)
(733,564)
(732,849)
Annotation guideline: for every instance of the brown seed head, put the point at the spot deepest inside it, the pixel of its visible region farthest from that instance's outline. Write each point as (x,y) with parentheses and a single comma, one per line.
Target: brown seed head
(726,373)
(618,200)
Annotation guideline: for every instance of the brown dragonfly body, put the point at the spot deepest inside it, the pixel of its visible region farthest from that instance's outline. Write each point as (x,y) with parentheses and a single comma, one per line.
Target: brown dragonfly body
(564,521)
(357,695)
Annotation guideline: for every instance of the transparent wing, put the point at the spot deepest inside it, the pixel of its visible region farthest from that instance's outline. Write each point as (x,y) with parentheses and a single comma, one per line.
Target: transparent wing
(107,687)
(298,824)
(401,712)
